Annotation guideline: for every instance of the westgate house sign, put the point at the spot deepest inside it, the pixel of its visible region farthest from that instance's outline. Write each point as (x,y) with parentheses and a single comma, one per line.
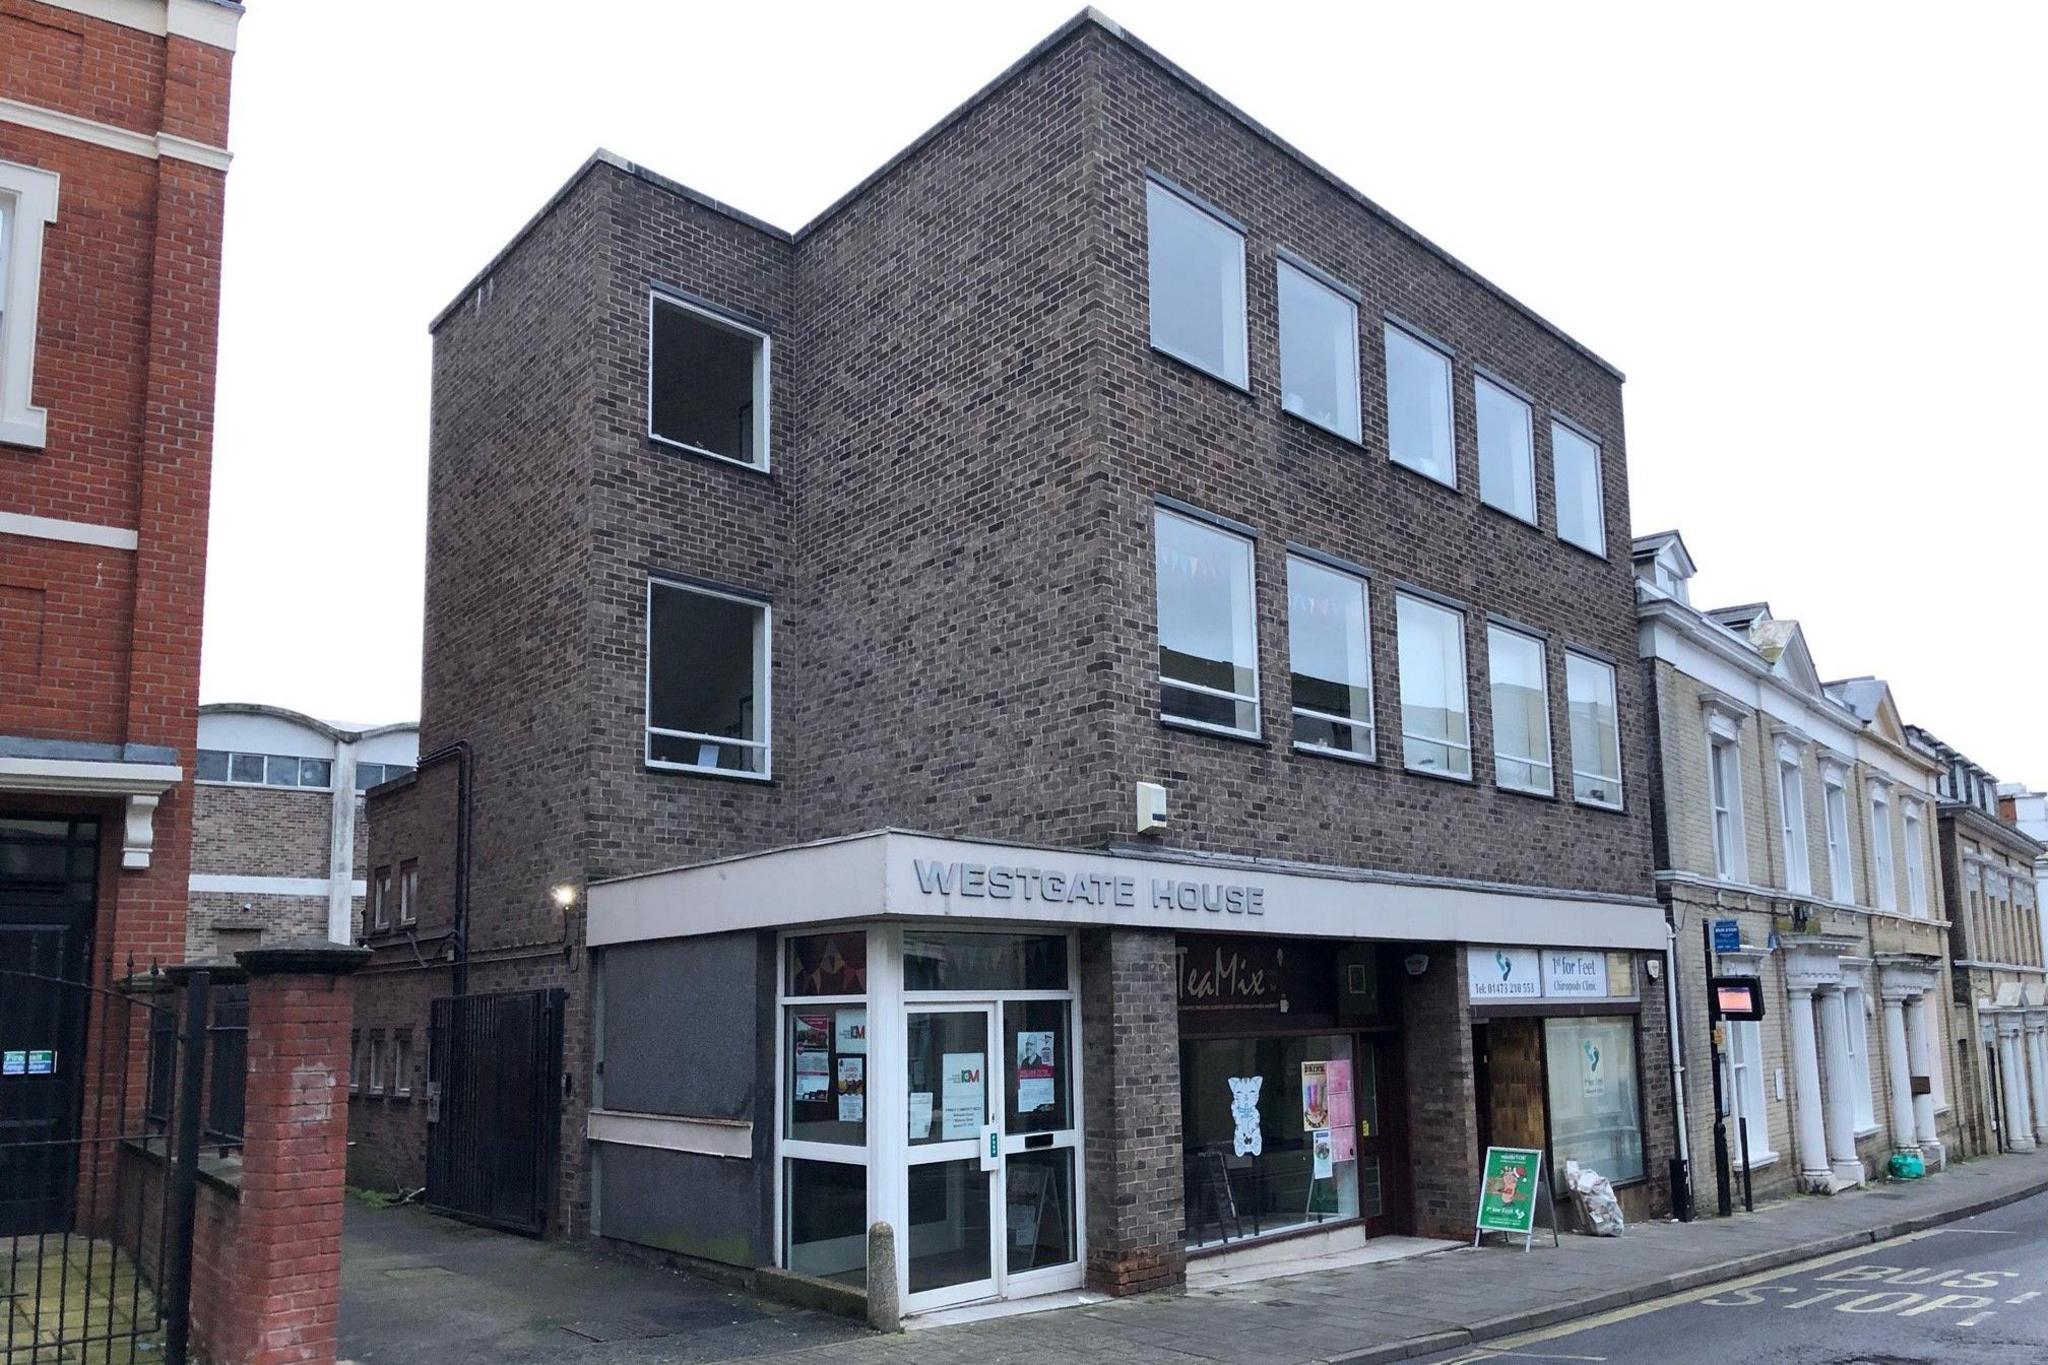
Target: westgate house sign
(999,883)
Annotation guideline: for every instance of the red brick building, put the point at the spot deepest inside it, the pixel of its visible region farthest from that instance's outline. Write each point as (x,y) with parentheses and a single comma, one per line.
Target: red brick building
(113,171)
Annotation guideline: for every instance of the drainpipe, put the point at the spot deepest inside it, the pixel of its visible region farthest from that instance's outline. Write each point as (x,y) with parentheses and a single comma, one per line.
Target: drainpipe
(1681,1177)
(459,751)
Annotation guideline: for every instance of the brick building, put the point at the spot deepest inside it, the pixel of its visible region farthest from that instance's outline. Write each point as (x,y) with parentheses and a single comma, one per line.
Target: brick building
(2001,983)
(1800,812)
(277,849)
(1082,704)
(113,167)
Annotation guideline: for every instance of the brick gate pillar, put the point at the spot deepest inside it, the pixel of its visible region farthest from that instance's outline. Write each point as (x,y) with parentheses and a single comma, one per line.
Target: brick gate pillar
(287,1291)
(1130,1064)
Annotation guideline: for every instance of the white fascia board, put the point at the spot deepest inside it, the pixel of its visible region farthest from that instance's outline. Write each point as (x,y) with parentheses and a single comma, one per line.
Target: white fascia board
(203,22)
(72,532)
(259,886)
(85,777)
(1722,665)
(876,876)
(671,1133)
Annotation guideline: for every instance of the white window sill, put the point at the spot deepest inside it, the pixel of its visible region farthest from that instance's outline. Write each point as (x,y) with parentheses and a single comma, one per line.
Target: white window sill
(760,467)
(1760,1161)
(31,430)
(1599,805)
(1440,774)
(1872,1131)
(702,770)
(1430,474)
(1203,727)
(1346,755)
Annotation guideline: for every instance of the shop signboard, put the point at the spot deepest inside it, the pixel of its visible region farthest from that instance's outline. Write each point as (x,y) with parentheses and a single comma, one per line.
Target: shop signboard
(1501,975)
(1230,981)
(1570,974)
(1498,975)
(1507,1193)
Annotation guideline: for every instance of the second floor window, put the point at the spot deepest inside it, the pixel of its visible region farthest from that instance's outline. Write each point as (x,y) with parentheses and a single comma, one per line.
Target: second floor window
(1835,805)
(1887,896)
(707,680)
(1792,825)
(409,891)
(1581,508)
(1596,731)
(1329,659)
(1208,635)
(380,899)
(1195,263)
(1318,352)
(28,203)
(1507,450)
(1436,729)
(1724,779)
(1419,406)
(707,382)
(1521,710)
(1916,860)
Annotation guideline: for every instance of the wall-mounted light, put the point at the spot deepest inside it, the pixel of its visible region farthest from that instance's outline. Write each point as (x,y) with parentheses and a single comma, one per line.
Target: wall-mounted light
(564,896)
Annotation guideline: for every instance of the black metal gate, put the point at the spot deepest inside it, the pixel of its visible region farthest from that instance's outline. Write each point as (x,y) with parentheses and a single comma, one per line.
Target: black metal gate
(494,1066)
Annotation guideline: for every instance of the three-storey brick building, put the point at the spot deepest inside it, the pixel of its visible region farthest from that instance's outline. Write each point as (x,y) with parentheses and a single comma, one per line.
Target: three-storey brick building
(1081,704)
(113,169)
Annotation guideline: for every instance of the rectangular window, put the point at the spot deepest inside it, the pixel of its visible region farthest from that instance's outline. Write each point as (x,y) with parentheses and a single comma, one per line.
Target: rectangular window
(1859,1058)
(316,772)
(1594,1117)
(1436,731)
(409,891)
(376,1061)
(1881,850)
(1581,511)
(1836,802)
(1745,1092)
(1208,635)
(1196,267)
(246,768)
(1916,859)
(1318,352)
(401,1063)
(1725,777)
(1329,659)
(1596,731)
(283,771)
(1419,406)
(28,204)
(380,899)
(1507,450)
(1792,827)
(355,1060)
(707,382)
(211,766)
(707,681)
(1517,673)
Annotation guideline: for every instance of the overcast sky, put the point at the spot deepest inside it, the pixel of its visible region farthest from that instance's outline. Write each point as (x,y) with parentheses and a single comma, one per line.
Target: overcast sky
(1811,235)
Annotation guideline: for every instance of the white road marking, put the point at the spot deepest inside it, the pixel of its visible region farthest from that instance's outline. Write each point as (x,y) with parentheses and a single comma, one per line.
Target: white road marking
(1485,1353)
(2022,1298)
(1974,1319)
(1981,1232)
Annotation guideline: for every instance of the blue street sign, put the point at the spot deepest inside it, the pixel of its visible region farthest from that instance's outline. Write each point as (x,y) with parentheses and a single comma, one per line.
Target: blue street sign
(1727,936)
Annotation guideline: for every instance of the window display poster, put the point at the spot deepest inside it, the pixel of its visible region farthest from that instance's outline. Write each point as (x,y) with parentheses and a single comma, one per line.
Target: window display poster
(1315,1096)
(812,1040)
(1595,1080)
(1034,1071)
(1343,1143)
(1325,1153)
(852,1089)
(920,1115)
(850,1030)
(1337,1085)
(1246,1139)
(962,1096)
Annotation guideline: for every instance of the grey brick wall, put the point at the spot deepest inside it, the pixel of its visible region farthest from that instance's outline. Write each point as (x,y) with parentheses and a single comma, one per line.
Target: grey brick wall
(1130,1032)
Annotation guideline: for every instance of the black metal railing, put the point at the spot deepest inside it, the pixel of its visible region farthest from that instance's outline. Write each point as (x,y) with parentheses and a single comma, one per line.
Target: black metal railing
(227,1048)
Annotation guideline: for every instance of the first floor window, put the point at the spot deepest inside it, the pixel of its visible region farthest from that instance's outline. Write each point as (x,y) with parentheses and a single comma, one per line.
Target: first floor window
(1196,271)
(376,1061)
(1419,406)
(707,680)
(1596,731)
(1792,825)
(1581,508)
(1208,637)
(1881,849)
(28,204)
(707,382)
(380,899)
(1329,659)
(1916,860)
(409,891)
(1521,710)
(1836,802)
(1436,732)
(1507,450)
(1318,352)
(355,1060)
(401,1063)
(1595,1118)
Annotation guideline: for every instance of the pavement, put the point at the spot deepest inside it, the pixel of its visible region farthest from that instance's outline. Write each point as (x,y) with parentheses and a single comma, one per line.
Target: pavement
(419,1288)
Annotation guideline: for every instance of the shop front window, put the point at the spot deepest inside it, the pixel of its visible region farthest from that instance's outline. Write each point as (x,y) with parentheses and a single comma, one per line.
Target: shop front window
(825,1212)
(824,1103)
(1269,1131)
(940,960)
(1595,1119)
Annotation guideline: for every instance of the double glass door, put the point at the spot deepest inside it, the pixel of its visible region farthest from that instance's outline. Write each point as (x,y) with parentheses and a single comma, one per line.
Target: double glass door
(990,1158)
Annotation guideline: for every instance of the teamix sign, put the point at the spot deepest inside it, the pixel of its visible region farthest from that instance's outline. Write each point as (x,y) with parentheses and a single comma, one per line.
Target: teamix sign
(998,883)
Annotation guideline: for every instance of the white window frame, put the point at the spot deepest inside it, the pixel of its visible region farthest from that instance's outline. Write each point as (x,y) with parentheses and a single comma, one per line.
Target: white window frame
(1363,728)
(376,1067)
(265,785)
(1612,674)
(408,891)
(1315,279)
(657,299)
(1835,813)
(1251,568)
(1792,839)
(380,897)
(1548,763)
(1744,1062)
(1859,1057)
(764,671)
(1157,191)
(1915,836)
(1731,861)
(1881,866)
(1599,486)
(1410,336)
(1456,746)
(401,1063)
(1481,381)
(28,205)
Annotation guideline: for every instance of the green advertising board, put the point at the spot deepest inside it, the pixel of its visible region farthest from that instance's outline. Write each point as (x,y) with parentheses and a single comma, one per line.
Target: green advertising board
(1507,1192)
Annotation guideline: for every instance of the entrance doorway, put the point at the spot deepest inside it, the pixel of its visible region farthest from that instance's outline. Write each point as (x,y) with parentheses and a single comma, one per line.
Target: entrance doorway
(990,1166)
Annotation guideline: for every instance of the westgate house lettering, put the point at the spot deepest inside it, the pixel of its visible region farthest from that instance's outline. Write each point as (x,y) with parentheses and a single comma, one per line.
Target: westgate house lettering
(1083,888)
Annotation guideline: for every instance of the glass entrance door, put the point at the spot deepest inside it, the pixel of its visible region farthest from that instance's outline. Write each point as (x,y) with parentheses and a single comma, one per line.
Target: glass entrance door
(991,1151)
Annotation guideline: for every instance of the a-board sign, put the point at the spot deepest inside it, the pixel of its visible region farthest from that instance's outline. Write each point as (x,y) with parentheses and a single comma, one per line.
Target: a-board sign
(1507,1191)
(1736,997)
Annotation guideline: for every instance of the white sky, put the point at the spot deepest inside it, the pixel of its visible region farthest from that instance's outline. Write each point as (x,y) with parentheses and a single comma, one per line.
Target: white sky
(1811,235)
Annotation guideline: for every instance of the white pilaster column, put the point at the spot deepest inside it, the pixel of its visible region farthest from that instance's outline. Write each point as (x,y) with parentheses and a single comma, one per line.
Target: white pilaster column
(1898,1075)
(1839,1103)
(1920,1057)
(1808,1134)
(2019,1123)
(341,846)
(2036,1043)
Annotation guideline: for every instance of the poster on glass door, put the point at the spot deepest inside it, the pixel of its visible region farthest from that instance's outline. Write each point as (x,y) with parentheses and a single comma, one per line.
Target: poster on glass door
(961,1106)
(1034,1071)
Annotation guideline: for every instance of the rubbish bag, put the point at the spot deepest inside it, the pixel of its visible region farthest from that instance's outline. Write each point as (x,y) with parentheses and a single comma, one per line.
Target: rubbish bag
(1906,1166)
(1593,1194)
